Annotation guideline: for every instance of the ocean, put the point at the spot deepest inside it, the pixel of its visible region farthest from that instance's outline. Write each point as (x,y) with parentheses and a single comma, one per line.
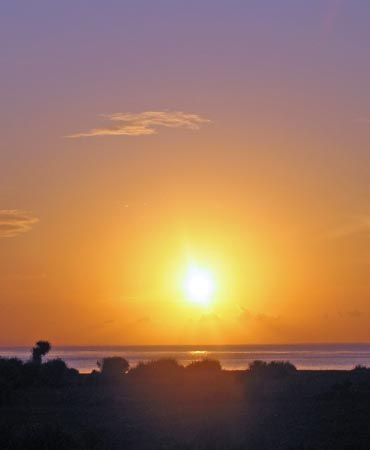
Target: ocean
(303,356)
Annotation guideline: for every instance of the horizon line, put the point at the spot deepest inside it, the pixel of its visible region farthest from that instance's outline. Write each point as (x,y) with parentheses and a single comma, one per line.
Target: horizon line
(187,345)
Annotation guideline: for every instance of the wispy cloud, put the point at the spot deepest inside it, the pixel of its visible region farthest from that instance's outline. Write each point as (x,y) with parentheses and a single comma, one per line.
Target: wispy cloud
(15,221)
(357,225)
(144,123)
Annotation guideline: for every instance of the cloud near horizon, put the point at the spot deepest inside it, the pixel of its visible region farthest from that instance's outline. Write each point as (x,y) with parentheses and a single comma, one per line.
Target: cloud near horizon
(14,222)
(144,123)
(247,315)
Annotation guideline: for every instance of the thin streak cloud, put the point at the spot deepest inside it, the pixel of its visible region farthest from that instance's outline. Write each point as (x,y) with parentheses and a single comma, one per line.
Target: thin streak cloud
(14,222)
(356,226)
(144,123)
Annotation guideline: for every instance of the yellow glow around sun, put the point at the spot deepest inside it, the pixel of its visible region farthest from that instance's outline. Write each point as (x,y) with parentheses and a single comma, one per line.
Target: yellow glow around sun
(199,285)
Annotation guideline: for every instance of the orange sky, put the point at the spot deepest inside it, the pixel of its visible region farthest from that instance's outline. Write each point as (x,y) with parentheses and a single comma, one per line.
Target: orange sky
(138,139)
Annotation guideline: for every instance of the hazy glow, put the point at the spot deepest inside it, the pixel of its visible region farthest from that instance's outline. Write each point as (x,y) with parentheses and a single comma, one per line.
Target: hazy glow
(199,286)
(225,197)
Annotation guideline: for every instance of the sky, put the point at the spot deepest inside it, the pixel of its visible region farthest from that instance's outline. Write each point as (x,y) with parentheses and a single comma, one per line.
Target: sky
(140,138)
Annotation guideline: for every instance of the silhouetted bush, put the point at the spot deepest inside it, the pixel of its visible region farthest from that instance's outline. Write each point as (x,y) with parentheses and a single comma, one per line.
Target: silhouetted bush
(39,350)
(159,368)
(10,377)
(113,367)
(30,373)
(54,372)
(11,371)
(272,369)
(204,365)
(73,373)
(361,369)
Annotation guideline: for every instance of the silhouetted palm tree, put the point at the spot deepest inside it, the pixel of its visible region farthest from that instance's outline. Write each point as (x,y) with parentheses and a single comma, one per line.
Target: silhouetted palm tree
(39,350)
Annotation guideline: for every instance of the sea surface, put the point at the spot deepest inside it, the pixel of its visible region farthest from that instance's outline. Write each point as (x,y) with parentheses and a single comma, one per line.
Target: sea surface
(304,356)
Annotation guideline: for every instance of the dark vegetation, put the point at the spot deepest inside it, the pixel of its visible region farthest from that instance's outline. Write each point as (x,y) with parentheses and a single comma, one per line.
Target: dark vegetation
(15,374)
(44,405)
(273,369)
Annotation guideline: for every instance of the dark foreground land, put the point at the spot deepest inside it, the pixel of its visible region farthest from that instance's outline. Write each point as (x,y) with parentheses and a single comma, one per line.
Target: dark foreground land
(177,408)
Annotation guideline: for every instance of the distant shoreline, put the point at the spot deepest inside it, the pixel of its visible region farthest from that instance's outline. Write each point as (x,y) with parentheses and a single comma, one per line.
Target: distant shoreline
(232,357)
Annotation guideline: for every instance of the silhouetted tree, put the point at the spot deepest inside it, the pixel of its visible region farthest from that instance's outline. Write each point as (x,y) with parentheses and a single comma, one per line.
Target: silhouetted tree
(113,367)
(39,350)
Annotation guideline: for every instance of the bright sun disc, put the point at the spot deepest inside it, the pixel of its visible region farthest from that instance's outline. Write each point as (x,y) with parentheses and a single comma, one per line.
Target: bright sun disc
(199,286)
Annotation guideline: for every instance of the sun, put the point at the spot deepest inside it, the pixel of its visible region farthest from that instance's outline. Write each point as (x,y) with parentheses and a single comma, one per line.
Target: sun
(199,286)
